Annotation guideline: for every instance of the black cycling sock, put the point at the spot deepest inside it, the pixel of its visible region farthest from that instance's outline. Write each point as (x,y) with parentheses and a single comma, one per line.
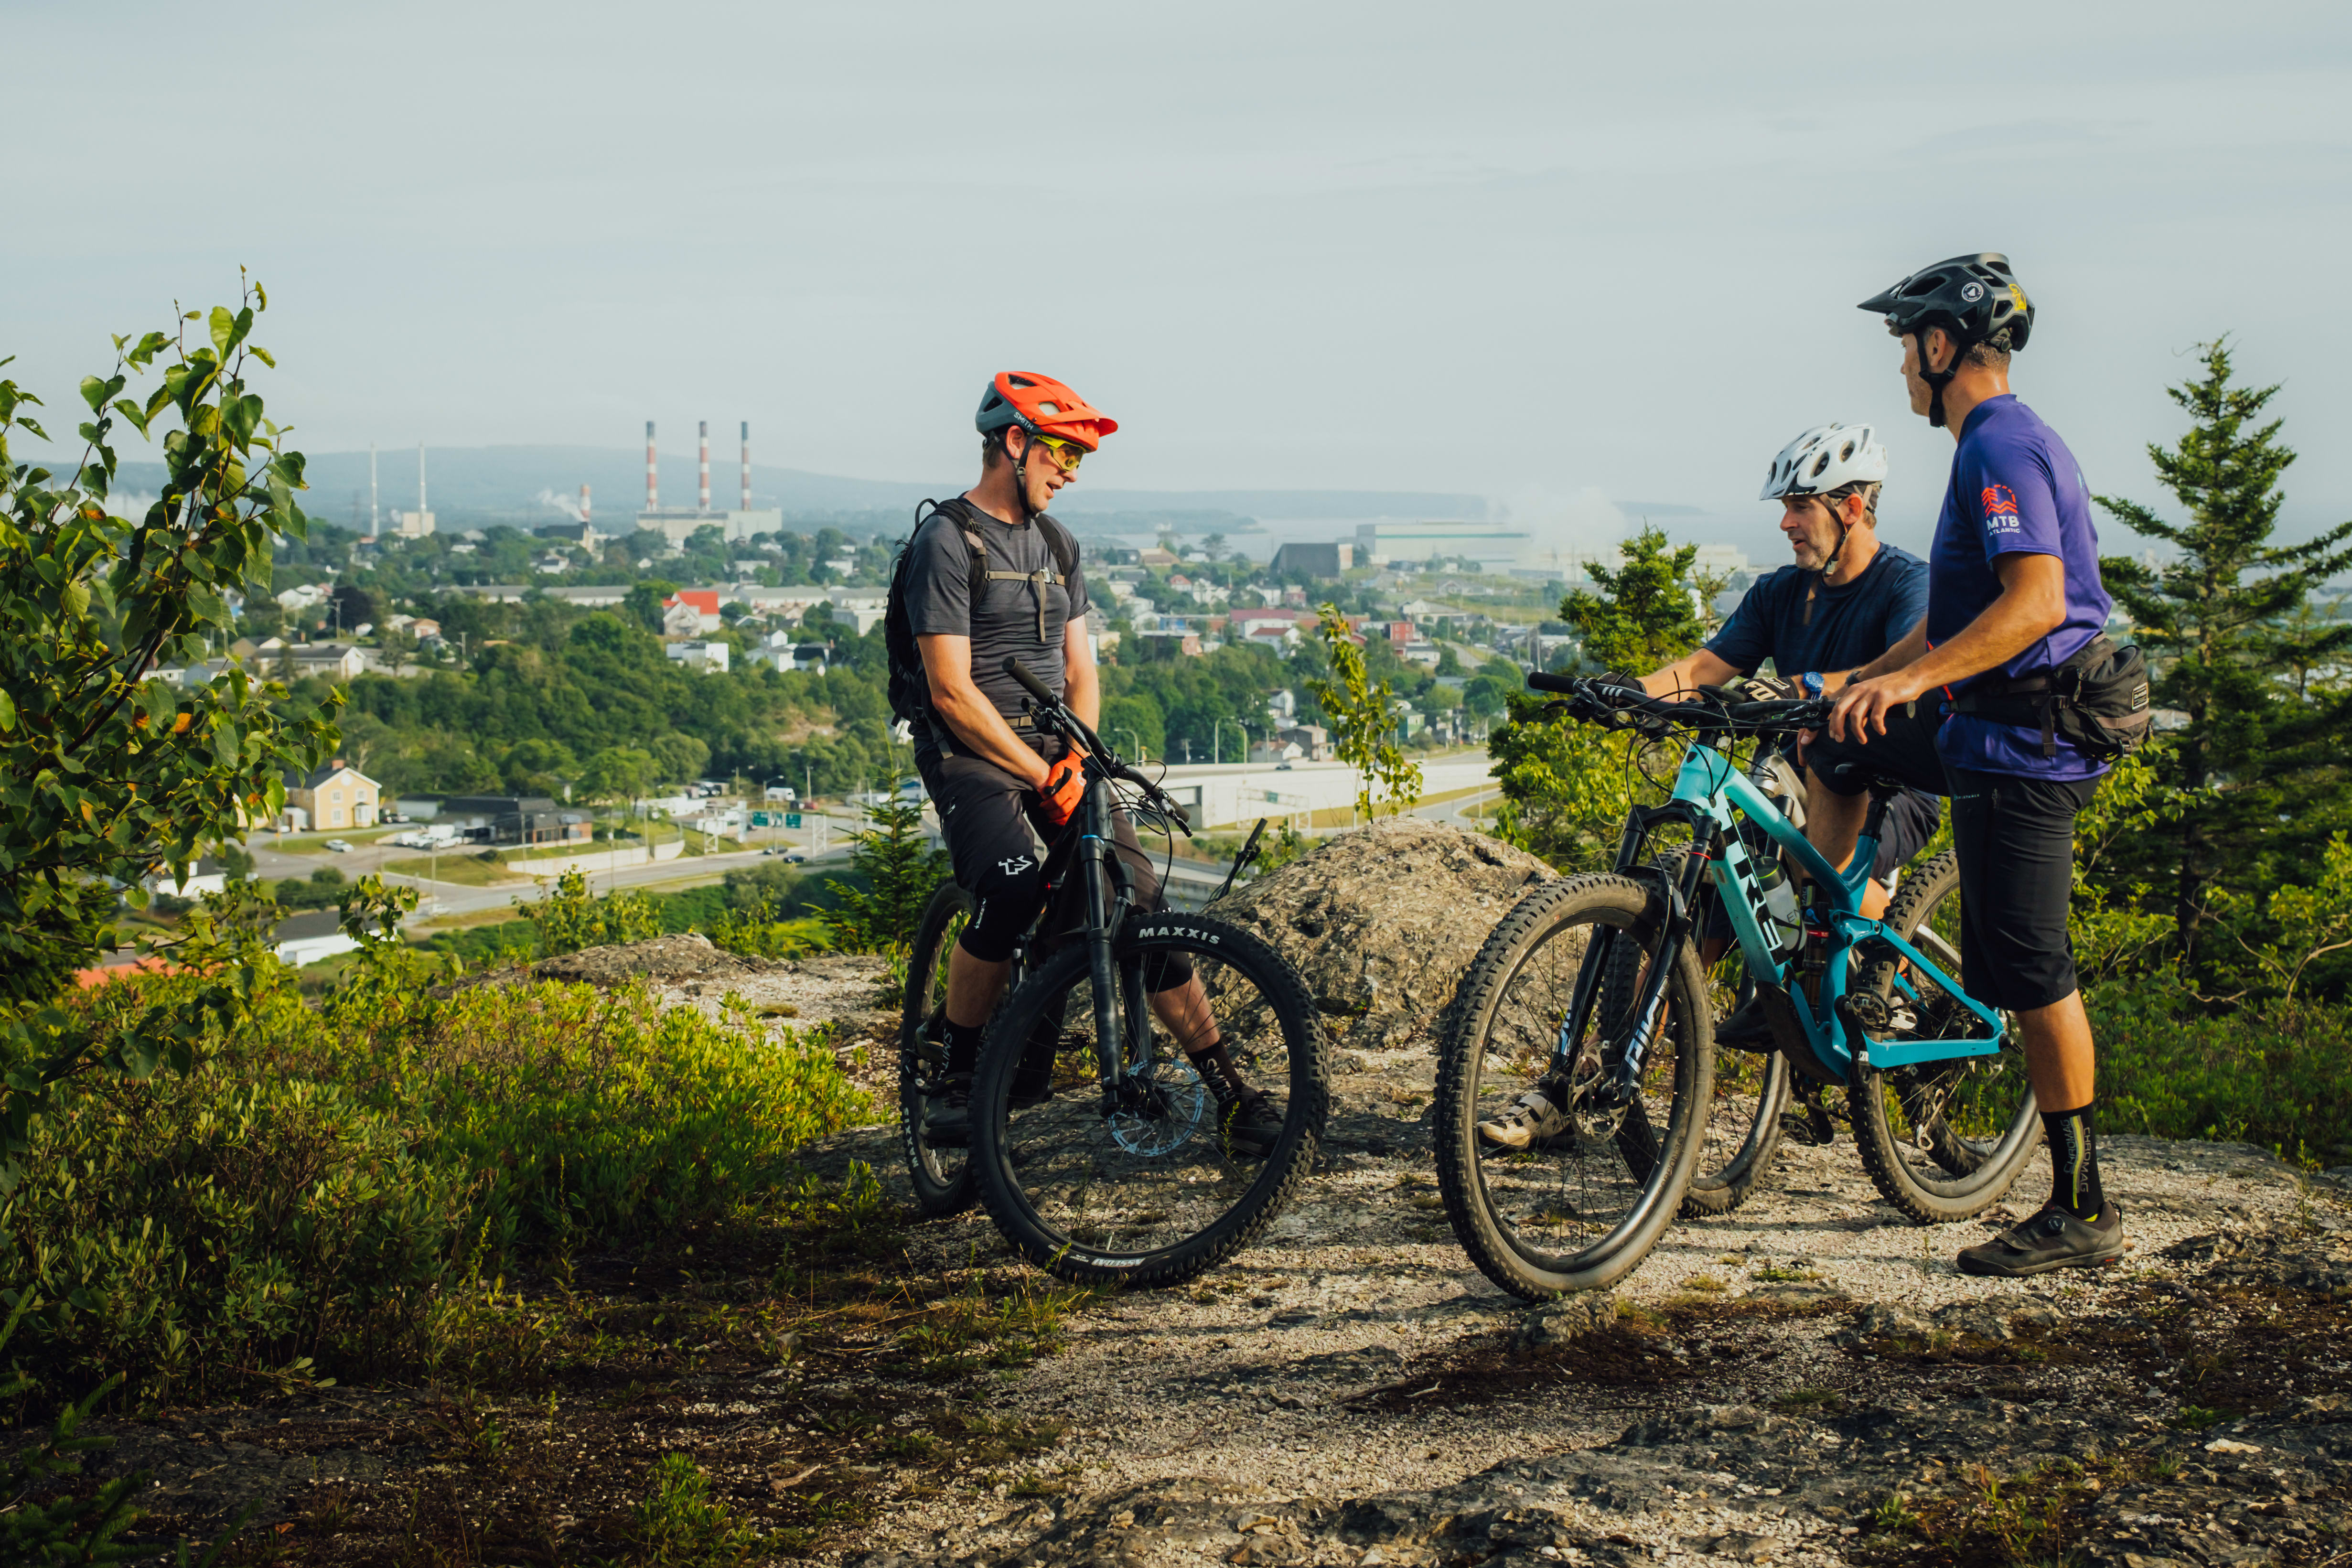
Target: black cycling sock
(2073,1162)
(962,1042)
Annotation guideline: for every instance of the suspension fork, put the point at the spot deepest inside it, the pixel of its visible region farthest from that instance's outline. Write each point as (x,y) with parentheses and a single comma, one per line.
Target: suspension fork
(1102,927)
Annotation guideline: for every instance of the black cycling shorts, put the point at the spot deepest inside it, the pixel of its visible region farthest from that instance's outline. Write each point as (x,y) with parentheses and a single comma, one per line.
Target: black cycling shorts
(992,823)
(2015,839)
(1906,753)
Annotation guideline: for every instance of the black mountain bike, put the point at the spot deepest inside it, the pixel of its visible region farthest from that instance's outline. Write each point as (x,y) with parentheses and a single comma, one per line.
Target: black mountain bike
(1103,1152)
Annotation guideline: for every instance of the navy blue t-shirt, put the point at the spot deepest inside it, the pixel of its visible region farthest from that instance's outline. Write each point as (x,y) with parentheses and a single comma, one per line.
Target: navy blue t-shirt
(1852,624)
(2015,489)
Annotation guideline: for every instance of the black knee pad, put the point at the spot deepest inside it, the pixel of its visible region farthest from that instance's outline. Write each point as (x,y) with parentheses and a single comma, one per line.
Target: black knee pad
(1005,901)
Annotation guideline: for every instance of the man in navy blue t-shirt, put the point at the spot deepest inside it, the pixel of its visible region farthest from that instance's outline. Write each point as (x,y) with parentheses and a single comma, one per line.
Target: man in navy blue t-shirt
(1844,600)
(2013,590)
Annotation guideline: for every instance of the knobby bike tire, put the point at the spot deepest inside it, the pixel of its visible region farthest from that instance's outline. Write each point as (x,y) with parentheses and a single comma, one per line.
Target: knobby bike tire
(1927,1167)
(1722,1180)
(1734,1153)
(942,1178)
(1081,1258)
(1660,1163)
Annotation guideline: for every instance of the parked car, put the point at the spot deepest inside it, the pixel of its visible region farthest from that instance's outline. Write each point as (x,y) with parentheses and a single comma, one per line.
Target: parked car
(340,846)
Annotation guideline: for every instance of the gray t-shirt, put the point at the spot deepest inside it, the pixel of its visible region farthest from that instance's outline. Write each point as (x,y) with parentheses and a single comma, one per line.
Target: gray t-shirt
(938,601)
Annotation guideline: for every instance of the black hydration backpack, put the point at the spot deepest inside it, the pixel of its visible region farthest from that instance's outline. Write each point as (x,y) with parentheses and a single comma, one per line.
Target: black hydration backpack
(909,693)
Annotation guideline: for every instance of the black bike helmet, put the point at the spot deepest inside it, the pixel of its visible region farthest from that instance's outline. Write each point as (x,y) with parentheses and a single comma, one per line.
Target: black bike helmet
(1974,298)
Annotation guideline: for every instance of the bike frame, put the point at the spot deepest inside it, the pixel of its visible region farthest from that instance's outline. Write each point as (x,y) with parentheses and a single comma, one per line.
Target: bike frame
(1708,789)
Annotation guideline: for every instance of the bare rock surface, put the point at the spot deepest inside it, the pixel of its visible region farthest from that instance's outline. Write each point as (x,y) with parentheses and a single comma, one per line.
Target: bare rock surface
(1351,1391)
(1382,924)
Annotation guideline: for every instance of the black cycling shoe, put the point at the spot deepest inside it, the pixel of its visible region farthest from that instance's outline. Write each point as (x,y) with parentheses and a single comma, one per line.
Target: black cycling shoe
(947,1120)
(1249,1124)
(2051,1239)
(1747,1028)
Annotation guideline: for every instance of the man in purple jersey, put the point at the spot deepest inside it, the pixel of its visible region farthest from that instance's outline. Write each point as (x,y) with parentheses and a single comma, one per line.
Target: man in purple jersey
(2012,591)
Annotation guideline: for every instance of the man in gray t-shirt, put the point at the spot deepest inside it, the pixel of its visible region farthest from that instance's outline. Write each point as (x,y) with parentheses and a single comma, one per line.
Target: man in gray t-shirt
(997,782)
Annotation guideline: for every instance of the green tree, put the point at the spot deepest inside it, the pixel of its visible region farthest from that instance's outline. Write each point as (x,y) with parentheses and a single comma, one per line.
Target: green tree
(897,872)
(618,772)
(1649,611)
(1567,787)
(2254,771)
(643,602)
(1363,719)
(106,773)
(681,757)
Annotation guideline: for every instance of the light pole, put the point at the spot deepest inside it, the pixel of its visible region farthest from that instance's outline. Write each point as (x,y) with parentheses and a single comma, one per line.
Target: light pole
(1132,735)
(1217,733)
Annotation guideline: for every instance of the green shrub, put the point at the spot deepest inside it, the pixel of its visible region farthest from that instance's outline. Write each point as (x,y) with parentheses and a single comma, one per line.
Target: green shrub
(326,1185)
(2278,1076)
(581,1112)
(757,938)
(571,918)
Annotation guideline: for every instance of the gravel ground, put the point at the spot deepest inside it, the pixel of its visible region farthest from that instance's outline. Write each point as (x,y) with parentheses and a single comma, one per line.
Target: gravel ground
(1292,1380)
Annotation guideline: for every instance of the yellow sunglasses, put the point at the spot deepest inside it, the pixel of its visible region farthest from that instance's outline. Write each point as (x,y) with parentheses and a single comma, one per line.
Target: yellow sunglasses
(1067,454)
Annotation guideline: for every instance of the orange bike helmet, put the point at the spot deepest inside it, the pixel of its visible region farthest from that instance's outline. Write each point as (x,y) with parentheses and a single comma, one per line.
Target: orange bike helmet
(1042,407)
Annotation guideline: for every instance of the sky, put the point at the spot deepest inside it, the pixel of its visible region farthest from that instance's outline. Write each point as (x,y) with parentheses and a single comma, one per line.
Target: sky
(1568,257)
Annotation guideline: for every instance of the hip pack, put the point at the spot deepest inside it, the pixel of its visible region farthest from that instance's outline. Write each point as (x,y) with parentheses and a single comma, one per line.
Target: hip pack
(2098,700)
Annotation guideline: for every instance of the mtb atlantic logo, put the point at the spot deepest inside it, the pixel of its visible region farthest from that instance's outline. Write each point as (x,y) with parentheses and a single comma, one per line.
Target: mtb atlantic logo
(2000,507)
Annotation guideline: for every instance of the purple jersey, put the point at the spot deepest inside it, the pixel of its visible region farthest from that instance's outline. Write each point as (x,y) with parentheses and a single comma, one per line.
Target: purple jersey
(2015,489)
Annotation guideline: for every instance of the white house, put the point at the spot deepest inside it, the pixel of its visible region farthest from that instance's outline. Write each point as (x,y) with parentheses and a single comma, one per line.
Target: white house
(711,657)
(206,875)
(309,936)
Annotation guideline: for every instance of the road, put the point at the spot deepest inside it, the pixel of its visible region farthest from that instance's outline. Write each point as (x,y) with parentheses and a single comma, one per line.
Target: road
(1190,883)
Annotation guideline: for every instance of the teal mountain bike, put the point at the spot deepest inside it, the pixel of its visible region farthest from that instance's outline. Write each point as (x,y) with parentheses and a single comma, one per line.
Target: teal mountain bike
(1590,992)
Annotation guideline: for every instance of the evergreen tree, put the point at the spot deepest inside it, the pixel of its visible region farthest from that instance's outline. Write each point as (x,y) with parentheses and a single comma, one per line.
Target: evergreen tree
(1648,610)
(2251,774)
(899,871)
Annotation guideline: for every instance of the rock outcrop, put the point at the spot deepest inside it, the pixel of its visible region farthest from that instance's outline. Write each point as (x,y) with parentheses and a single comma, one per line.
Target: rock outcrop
(1383,923)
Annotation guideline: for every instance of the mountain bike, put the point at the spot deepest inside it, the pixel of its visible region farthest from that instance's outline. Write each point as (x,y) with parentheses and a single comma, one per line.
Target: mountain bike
(1591,990)
(1153,1089)
(941,1176)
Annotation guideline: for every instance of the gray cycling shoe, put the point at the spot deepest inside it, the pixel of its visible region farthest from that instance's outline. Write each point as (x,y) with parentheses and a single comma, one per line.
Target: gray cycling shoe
(1532,1119)
(947,1121)
(2051,1239)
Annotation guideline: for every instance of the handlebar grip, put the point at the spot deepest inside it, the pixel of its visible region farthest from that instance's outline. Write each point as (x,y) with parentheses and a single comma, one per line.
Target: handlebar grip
(1029,683)
(1539,680)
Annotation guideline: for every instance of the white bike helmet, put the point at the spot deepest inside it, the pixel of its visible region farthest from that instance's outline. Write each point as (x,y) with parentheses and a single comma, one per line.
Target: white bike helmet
(1825,458)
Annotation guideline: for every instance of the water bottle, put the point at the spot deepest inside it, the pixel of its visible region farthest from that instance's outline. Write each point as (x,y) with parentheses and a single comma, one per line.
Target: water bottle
(1784,925)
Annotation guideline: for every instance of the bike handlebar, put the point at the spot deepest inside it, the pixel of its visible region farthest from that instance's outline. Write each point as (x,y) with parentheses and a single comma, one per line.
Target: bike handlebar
(1590,699)
(1100,755)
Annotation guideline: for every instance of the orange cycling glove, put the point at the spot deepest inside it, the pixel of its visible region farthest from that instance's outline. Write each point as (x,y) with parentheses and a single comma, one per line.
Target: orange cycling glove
(1065,787)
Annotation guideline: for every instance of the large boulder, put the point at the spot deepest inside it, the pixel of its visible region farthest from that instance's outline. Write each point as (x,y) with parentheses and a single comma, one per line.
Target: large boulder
(1382,923)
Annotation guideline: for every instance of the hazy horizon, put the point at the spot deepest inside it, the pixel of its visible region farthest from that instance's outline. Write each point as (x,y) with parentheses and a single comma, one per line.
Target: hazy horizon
(1550,258)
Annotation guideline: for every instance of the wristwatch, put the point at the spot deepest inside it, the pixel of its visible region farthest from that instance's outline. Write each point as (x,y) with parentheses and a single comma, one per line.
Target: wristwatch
(1811,682)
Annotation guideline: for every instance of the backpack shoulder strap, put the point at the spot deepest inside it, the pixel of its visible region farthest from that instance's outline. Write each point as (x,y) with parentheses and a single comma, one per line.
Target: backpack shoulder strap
(1064,547)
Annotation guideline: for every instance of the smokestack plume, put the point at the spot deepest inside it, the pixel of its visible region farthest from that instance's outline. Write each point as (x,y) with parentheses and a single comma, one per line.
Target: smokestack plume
(746,464)
(583,501)
(653,469)
(703,502)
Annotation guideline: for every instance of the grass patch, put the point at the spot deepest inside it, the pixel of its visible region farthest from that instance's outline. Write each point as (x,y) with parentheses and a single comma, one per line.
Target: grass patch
(474,868)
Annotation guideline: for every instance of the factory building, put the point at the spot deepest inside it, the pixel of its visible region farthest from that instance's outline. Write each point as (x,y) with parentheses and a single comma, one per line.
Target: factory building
(678,524)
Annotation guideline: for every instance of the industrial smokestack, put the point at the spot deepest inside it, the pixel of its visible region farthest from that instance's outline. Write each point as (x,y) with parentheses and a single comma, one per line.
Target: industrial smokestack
(653,468)
(373,514)
(702,502)
(421,508)
(583,501)
(746,464)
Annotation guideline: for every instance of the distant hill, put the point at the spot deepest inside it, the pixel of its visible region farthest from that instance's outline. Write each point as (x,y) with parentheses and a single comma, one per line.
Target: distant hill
(520,483)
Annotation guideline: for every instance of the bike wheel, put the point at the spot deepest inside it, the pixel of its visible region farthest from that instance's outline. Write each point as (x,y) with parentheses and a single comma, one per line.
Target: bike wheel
(942,1177)
(1943,1141)
(1580,1209)
(1743,1121)
(1155,1193)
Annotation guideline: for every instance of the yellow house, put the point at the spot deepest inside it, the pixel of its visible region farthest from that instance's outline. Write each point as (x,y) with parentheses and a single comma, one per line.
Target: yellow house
(336,795)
